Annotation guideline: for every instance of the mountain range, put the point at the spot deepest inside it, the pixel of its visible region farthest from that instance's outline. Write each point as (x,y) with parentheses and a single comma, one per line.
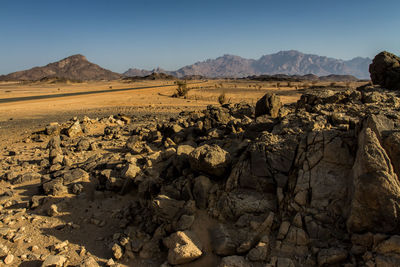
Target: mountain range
(290,62)
(75,67)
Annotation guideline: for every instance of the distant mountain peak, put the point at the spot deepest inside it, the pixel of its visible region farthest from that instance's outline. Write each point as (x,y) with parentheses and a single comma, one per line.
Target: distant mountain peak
(75,67)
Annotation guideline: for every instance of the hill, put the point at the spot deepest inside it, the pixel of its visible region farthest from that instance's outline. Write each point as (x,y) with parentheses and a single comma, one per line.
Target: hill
(75,67)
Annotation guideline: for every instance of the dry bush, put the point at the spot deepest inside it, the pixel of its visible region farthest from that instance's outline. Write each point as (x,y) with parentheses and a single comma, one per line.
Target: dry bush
(182,89)
(222,99)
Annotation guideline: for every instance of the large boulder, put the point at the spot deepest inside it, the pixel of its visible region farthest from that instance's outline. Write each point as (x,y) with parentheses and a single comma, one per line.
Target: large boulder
(269,104)
(210,159)
(385,70)
(376,198)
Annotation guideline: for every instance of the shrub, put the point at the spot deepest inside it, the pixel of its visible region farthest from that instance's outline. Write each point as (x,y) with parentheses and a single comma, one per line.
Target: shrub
(182,89)
(222,99)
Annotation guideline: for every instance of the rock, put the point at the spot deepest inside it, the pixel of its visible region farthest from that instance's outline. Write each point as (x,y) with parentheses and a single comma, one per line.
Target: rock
(385,70)
(9,259)
(135,144)
(55,187)
(234,261)
(74,176)
(54,260)
(184,222)
(297,236)
(83,144)
(386,261)
(182,249)
(391,245)
(27,177)
(210,159)
(259,252)
(89,262)
(376,199)
(166,207)
(74,130)
(283,230)
(130,171)
(201,189)
(183,151)
(330,256)
(53,128)
(269,104)
(53,210)
(3,250)
(221,240)
(117,251)
(284,262)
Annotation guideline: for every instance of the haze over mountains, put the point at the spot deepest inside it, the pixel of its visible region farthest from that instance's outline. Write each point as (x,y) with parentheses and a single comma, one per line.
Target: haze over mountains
(292,62)
(285,62)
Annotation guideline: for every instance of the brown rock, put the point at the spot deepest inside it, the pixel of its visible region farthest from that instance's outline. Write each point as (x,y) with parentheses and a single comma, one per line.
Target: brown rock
(269,104)
(385,70)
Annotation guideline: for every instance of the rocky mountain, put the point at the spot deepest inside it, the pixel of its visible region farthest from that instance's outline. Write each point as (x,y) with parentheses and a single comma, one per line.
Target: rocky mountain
(133,72)
(75,67)
(285,62)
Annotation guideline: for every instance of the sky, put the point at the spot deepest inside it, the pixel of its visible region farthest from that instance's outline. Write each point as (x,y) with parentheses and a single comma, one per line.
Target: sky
(122,34)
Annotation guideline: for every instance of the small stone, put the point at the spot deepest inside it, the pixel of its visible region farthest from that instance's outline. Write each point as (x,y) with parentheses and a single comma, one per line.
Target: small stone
(9,259)
(3,250)
(53,210)
(54,260)
(117,251)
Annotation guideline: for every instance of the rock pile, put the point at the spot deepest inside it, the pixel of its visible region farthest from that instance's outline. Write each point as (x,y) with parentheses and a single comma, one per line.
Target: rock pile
(313,183)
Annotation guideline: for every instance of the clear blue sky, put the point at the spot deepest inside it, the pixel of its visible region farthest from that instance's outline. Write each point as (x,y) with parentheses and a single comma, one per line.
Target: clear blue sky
(119,34)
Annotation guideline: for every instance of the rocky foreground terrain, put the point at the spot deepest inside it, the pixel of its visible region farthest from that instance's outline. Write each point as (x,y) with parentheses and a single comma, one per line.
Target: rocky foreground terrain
(313,183)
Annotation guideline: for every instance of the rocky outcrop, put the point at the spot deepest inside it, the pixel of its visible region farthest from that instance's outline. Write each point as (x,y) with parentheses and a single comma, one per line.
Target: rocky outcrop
(385,70)
(269,104)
